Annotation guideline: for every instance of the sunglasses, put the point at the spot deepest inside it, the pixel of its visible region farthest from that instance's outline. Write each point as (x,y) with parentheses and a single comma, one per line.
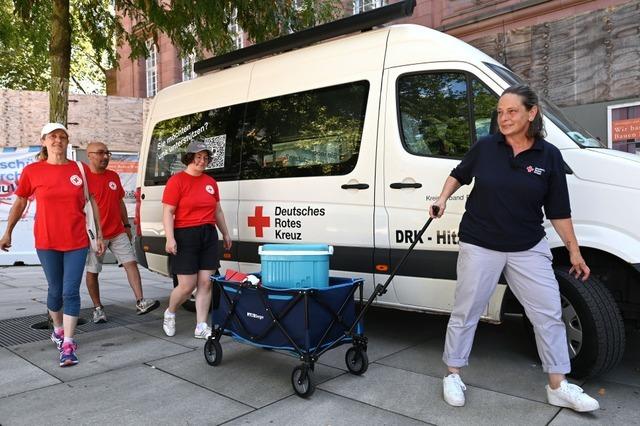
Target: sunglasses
(101,153)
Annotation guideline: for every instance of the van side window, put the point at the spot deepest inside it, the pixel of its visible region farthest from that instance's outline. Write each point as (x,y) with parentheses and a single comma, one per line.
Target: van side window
(437,109)
(219,129)
(484,106)
(312,133)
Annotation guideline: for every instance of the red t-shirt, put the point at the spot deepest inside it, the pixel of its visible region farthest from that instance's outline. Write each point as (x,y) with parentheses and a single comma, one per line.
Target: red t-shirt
(60,220)
(195,199)
(108,192)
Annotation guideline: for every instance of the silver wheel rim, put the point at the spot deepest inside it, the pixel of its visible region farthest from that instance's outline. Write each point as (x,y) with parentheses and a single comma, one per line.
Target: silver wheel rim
(303,385)
(574,327)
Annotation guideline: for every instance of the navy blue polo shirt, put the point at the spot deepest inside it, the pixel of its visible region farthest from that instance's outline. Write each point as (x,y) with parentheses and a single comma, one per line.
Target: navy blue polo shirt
(504,209)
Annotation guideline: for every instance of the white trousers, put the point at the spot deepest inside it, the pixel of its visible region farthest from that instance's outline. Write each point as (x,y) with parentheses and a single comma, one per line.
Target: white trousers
(531,279)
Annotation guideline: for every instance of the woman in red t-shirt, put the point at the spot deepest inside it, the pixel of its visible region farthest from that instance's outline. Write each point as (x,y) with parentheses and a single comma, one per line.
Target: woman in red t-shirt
(190,213)
(59,228)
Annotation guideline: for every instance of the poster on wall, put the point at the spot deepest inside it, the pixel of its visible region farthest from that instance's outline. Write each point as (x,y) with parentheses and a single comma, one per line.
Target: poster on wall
(126,165)
(12,162)
(624,127)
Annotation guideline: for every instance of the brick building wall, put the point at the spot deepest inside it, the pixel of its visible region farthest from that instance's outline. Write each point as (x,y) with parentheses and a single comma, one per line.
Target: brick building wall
(494,26)
(116,121)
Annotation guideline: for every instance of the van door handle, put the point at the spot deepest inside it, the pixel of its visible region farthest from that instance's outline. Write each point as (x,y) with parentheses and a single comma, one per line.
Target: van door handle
(355,186)
(400,185)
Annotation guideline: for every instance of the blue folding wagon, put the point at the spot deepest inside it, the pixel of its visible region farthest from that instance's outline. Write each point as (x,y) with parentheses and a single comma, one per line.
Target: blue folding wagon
(305,322)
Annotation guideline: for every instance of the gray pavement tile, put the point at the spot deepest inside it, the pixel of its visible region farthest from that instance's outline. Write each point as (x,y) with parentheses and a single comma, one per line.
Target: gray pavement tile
(321,409)
(160,399)
(22,302)
(389,332)
(255,376)
(618,406)
(420,397)
(100,351)
(185,325)
(19,375)
(502,360)
(628,371)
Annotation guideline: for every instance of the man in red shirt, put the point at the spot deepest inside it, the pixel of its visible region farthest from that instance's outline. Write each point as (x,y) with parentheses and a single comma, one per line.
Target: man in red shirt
(116,230)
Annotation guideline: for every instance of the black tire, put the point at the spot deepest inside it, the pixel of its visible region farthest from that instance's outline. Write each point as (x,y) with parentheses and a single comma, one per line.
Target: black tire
(357,361)
(302,381)
(213,352)
(595,328)
(190,304)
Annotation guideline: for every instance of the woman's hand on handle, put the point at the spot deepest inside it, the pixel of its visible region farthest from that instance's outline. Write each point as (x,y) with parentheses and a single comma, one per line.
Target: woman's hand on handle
(436,210)
(450,186)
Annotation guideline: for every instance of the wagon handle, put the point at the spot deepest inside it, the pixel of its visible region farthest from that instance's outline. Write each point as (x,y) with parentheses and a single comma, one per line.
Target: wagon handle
(382,288)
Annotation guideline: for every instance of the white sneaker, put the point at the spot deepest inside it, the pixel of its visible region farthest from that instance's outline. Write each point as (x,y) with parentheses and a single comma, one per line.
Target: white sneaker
(169,325)
(203,333)
(571,396)
(453,389)
(98,315)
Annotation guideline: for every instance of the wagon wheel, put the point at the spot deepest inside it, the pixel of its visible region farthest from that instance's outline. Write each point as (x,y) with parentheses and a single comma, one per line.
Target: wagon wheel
(213,352)
(302,381)
(357,360)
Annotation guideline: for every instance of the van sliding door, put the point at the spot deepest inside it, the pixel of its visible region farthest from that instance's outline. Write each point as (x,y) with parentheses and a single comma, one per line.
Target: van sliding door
(307,174)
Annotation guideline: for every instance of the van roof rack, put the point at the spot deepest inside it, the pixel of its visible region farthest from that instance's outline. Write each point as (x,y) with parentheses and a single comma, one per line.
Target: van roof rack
(359,22)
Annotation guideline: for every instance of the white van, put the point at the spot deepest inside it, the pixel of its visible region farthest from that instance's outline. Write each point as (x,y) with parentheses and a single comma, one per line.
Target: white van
(348,141)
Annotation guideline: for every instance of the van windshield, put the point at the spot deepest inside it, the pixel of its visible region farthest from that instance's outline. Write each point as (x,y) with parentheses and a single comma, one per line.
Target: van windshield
(579,135)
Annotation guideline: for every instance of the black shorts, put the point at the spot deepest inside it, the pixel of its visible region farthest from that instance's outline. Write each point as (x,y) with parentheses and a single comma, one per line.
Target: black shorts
(197,250)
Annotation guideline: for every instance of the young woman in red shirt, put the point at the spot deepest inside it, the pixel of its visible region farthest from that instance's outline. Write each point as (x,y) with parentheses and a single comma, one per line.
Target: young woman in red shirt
(190,213)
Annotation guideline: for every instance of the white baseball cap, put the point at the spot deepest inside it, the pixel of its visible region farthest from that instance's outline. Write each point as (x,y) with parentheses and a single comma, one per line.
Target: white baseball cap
(50,127)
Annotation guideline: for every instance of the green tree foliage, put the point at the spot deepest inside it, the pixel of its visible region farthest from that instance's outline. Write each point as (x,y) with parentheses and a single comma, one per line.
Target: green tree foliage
(24,51)
(194,26)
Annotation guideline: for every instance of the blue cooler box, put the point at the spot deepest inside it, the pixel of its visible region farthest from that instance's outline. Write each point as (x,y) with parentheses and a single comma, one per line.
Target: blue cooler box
(295,265)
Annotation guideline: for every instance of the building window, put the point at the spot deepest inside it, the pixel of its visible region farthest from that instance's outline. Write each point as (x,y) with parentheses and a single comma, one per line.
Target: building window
(187,67)
(360,6)
(152,69)
(236,31)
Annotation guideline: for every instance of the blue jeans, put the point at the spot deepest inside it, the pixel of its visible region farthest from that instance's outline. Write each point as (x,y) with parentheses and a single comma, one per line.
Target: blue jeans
(63,270)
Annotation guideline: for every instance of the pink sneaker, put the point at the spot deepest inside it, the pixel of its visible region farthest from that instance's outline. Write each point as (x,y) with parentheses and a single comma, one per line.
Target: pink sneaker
(68,355)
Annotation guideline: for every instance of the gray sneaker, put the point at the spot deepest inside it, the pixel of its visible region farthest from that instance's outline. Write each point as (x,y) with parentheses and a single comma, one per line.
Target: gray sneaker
(98,315)
(144,306)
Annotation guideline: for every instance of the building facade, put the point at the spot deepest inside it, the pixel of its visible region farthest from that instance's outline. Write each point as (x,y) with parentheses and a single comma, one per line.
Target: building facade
(584,55)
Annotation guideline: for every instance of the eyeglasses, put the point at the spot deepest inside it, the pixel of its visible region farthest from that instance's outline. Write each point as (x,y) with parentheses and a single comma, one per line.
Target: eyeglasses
(101,153)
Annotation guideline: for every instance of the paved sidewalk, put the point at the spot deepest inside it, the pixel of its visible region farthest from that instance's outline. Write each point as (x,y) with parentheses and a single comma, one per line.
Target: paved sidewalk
(131,373)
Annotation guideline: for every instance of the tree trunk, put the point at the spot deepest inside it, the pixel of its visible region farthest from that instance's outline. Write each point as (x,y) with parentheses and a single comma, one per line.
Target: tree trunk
(60,54)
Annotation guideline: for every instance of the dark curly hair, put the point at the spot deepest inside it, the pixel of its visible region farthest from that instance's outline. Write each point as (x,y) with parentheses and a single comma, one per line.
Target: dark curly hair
(188,157)
(529,100)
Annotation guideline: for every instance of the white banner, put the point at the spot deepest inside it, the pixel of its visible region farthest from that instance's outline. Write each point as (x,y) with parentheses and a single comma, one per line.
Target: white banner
(125,164)
(12,162)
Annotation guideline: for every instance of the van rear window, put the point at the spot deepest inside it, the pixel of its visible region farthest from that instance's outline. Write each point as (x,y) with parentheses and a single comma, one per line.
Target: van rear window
(218,128)
(311,133)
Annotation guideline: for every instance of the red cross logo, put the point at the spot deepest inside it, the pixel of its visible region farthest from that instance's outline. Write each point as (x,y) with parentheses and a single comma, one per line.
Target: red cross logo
(258,221)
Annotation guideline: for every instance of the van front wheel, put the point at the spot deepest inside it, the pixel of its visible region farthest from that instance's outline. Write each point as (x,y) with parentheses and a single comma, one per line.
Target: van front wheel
(595,329)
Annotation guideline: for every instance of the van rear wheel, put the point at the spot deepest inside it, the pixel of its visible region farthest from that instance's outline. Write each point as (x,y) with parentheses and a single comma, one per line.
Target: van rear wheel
(595,329)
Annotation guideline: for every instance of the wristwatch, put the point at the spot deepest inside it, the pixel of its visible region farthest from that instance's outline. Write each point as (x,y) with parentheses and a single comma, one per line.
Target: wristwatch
(127,225)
